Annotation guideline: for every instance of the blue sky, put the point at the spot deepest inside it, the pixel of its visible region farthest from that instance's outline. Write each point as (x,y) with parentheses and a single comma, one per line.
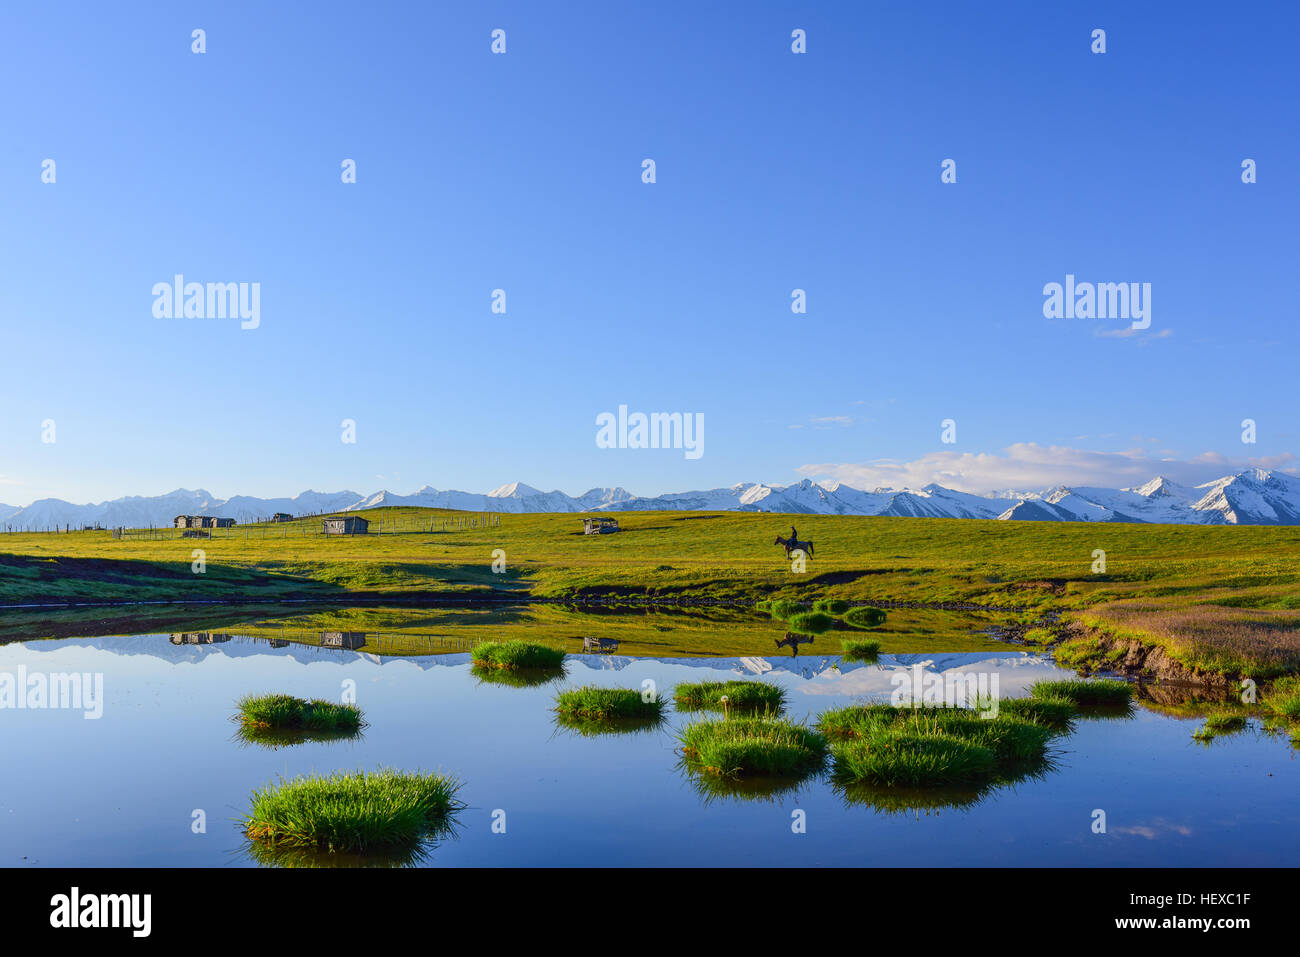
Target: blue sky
(522,171)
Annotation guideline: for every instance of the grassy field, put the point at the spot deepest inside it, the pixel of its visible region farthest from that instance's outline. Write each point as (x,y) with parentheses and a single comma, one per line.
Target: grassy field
(1180,586)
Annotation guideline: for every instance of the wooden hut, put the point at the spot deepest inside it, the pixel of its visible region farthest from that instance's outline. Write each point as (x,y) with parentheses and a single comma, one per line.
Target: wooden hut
(347,525)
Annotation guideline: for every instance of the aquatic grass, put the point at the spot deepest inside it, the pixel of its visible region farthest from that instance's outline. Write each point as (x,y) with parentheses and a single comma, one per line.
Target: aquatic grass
(753,746)
(811,623)
(1220,724)
(1051,711)
(282,712)
(860,649)
(1084,692)
(741,696)
(854,719)
(354,811)
(899,758)
(864,617)
(516,654)
(1283,698)
(598,703)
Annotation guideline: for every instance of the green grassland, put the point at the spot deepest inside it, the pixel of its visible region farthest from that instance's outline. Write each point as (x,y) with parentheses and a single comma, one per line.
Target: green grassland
(1196,580)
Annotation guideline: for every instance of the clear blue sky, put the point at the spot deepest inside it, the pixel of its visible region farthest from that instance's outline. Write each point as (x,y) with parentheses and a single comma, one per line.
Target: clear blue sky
(523,172)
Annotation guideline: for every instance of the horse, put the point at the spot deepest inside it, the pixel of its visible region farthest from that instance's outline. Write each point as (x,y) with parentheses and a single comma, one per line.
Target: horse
(791,544)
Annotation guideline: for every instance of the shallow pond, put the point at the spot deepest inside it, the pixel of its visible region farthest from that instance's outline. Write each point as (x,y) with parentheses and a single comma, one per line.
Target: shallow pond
(124,788)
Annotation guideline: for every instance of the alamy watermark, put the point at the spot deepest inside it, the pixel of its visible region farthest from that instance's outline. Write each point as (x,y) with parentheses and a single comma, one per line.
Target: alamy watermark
(658,430)
(62,690)
(1102,300)
(919,688)
(179,299)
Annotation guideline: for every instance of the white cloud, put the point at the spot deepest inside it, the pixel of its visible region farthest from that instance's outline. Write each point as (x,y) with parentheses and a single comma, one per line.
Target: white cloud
(1028,466)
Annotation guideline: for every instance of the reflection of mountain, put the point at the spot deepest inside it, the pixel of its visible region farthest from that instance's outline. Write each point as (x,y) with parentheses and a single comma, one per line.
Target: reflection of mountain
(806,666)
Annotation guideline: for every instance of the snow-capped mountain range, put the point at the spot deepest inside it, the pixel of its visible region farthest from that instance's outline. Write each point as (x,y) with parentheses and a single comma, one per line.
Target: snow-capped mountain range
(1248,497)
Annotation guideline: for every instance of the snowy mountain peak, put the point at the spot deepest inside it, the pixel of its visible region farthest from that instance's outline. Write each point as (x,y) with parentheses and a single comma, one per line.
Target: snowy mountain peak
(1248,497)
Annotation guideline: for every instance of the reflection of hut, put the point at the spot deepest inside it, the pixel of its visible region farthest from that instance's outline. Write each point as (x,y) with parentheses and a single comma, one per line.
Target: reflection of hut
(350,640)
(279,643)
(602,645)
(347,525)
(599,526)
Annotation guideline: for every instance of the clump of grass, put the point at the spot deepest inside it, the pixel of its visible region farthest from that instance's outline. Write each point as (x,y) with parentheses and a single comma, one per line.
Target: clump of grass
(856,719)
(754,746)
(860,649)
(740,695)
(282,712)
(1051,711)
(865,617)
(1084,692)
(353,811)
(783,609)
(811,623)
(931,747)
(1038,636)
(1283,698)
(1220,723)
(894,758)
(832,606)
(517,654)
(596,703)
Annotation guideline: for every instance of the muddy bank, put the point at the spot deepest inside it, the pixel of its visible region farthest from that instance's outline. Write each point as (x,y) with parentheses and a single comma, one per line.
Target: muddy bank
(1089,650)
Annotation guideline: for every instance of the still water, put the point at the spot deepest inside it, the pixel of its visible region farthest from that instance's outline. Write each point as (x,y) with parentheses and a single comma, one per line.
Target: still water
(126,788)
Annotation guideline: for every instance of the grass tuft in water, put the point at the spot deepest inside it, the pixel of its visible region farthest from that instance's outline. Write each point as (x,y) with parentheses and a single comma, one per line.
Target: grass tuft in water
(352,812)
(1084,692)
(782,609)
(1051,711)
(1220,724)
(898,758)
(753,746)
(282,712)
(740,695)
(596,703)
(512,655)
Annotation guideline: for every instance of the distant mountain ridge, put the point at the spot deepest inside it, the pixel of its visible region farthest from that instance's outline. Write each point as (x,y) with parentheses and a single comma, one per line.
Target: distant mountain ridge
(1246,497)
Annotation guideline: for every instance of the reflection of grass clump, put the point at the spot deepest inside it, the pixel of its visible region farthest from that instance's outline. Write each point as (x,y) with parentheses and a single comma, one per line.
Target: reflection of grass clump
(832,606)
(860,649)
(511,655)
(1084,692)
(354,811)
(864,617)
(282,712)
(607,703)
(516,677)
(753,747)
(811,623)
(740,695)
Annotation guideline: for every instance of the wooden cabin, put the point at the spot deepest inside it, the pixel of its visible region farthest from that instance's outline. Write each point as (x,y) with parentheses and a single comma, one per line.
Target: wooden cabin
(347,525)
(599,526)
